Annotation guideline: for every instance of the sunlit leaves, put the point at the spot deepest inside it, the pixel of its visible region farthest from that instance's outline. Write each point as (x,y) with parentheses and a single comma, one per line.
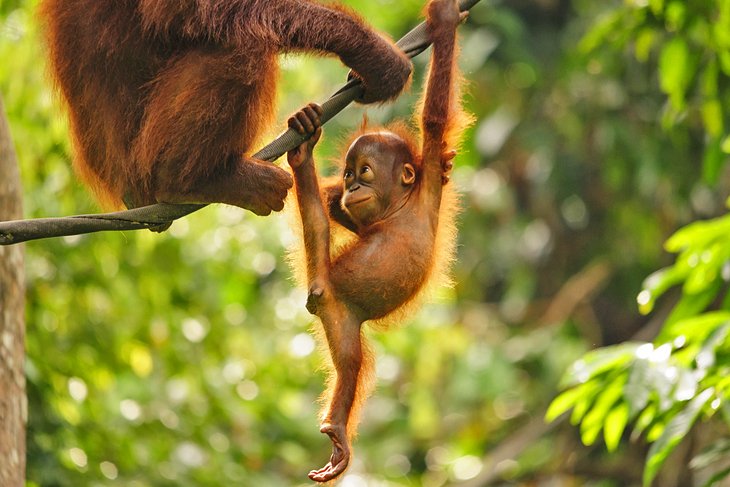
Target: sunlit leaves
(615,424)
(656,6)
(656,285)
(645,40)
(721,26)
(568,399)
(597,362)
(598,415)
(701,266)
(604,28)
(689,45)
(673,433)
(675,70)
(676,15)
(712,109)
(651,387)
(657,387)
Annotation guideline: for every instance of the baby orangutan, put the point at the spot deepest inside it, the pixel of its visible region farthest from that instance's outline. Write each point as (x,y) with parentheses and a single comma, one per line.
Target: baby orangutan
(390,197)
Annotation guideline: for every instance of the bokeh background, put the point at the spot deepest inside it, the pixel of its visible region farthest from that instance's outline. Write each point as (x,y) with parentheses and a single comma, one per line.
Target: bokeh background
(184,359)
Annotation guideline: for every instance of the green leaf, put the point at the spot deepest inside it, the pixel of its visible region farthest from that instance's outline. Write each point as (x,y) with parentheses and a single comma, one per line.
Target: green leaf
(687,385)
(614,426)
(656,430)
(597,416)
(690,306)
(725,145)
(601,31)
(721,27)
(565,401)
(724,57)
(656,6)
(675,70)
(713,159)
(645,419)
(697,234)
(657,284)
(676,15)
(648,378)
(706,357)
(684,237)
(712,116)
(638,390)
(696,328)
(584,402)
(707,269)
(673,434)
(710,78)
(589,432)
(599,361)
(643,44)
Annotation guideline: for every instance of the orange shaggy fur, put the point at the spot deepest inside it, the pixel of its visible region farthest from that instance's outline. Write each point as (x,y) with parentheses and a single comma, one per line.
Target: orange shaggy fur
(438,274)
(166,97)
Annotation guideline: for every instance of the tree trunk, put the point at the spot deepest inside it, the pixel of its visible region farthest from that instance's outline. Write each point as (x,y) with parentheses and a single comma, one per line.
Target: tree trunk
(13,402)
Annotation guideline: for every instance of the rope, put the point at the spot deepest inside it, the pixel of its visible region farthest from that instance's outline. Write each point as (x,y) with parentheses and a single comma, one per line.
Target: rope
(16,231)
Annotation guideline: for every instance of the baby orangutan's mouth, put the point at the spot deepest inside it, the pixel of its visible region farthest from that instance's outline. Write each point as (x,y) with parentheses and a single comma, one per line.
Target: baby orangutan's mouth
(361,200)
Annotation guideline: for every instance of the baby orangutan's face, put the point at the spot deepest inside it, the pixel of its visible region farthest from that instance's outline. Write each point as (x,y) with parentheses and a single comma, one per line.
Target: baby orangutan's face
(376,177)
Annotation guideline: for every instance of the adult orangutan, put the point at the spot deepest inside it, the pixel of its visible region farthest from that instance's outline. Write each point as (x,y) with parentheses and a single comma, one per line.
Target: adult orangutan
(392,197)
(167,96)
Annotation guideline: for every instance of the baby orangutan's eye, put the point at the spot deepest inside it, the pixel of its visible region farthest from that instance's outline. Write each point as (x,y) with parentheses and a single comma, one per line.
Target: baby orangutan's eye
(367,175)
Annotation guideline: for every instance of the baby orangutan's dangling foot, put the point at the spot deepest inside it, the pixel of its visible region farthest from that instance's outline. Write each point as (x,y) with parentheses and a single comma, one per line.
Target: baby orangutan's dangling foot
(340,458)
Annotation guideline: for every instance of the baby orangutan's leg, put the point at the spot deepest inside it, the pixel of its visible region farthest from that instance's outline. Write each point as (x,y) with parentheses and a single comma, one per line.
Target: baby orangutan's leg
(345,344)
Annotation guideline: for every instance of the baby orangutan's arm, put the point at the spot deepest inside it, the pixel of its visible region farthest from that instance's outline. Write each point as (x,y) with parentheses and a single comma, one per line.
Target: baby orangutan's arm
(315,221)
(341,325)
(443,18)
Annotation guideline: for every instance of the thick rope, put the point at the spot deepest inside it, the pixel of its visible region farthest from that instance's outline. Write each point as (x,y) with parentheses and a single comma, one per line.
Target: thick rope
(13,232)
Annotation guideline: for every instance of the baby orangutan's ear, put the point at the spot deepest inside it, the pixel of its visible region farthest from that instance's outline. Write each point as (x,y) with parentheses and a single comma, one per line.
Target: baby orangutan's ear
(408,175)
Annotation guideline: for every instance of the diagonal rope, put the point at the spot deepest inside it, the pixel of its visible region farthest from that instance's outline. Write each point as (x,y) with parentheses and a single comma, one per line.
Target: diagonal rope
(13,232)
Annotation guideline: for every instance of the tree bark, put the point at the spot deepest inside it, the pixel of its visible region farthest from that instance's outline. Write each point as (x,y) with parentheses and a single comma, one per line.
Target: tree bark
(13,401)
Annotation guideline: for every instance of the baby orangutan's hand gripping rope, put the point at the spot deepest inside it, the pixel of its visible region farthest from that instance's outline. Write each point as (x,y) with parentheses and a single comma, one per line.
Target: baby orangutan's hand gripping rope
(390,197)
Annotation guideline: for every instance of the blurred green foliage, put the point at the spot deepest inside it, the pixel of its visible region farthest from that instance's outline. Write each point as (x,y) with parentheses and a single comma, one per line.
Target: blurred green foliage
(184,358)
(664,387)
